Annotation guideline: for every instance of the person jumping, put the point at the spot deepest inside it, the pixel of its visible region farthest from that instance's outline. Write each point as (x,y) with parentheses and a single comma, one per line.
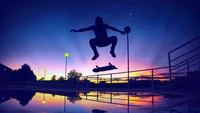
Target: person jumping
(102,39)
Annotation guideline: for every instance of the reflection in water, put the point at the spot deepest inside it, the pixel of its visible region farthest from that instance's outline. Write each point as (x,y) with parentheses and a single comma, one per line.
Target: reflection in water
(43,101)
(98,111)
(73,97)
(4,96)
(120,100)
(21,95)
(64,104)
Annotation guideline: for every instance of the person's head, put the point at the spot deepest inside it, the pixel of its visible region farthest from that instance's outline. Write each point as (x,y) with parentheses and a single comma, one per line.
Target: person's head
(99,21)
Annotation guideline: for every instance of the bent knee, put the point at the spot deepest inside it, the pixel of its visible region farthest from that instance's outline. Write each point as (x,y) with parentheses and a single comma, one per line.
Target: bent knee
(92,40)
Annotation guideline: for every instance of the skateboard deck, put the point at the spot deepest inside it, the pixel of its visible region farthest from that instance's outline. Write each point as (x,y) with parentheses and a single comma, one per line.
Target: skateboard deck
(104,68)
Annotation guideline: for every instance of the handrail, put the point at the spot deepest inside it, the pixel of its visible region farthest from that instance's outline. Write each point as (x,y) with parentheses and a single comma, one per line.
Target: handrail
(152,76)
(187,59)
(131,71)
(111,102)
(181,63)
(190,66)
(195,64)
(181,69)
(184,44)
(117,98)
(185,54)
(194,59)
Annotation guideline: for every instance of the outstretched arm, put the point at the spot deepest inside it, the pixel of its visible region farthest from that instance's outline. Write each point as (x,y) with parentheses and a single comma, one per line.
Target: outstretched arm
(82,30)
(115,29)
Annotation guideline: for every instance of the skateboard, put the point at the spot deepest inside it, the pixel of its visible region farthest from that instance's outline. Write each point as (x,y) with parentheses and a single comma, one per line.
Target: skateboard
(104,68)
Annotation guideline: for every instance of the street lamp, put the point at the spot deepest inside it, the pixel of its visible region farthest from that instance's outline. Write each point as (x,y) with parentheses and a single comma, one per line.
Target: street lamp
(43,101)
(66,55)
(45,70)
(127,29)
(64,104)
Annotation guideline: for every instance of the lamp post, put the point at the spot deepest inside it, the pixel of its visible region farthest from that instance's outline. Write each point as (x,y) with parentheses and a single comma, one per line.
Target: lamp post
(45,70)
(43,101)
(66,55)
(127,29)
(64,104)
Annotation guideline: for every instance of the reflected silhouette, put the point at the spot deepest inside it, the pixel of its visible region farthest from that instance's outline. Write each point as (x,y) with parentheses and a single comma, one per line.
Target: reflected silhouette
(102,39)
(98,111)
(73,97)
(4,96)
(129,100)
(23,96)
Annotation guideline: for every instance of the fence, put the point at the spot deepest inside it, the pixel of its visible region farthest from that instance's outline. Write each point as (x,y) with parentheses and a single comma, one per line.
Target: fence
(185,58)
(150,75)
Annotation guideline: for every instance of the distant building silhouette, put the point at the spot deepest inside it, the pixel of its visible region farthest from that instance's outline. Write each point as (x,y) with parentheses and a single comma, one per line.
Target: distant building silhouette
(5,73)
(4,96)
(4,70)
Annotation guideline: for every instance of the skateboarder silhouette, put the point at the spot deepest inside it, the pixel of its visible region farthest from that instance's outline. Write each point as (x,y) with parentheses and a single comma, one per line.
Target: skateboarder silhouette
(102,39)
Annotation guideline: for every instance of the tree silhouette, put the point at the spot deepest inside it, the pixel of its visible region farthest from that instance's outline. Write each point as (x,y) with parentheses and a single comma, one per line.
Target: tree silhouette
(23,74)
(74,77)
(53,77)
(61,78)
(73,74)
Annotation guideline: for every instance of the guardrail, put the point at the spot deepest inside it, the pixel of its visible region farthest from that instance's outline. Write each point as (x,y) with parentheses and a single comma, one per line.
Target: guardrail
(151,74)
(187,60)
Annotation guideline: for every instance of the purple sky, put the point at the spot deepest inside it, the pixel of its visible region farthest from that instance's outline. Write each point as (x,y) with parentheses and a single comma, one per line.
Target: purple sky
(36,32)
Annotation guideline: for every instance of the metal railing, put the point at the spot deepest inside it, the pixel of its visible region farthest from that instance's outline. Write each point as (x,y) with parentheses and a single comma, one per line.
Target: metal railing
(187,60)
(111,98)
(151,74)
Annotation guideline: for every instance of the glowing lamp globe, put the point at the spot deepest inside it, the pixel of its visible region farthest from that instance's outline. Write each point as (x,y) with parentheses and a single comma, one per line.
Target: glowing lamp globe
(127,29)
(45,69)
(43,102)
(66,54)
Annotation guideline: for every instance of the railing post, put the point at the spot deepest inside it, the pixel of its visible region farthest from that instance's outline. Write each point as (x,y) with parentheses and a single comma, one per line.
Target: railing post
(97,96)
(170,73)
(152,79)
(110,97)
(86,82)
(152,99)
(128,102)
(110,80)
(97,81)
(128,57)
